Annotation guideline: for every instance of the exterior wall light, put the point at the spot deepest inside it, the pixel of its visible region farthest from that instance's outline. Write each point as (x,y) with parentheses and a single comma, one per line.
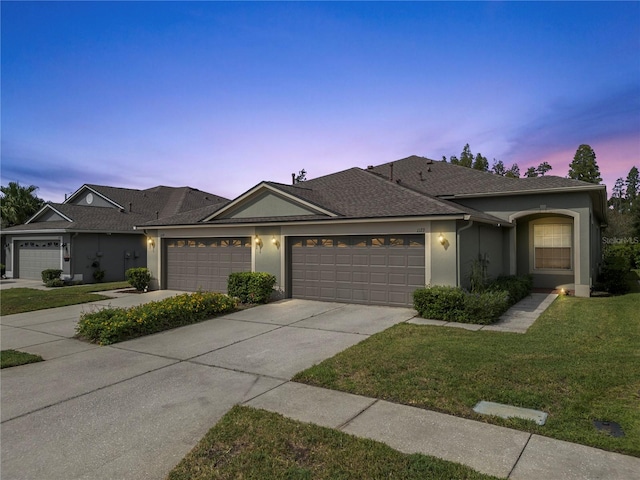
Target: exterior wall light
(150,242)
(258,241)
(275,241)
(441,239)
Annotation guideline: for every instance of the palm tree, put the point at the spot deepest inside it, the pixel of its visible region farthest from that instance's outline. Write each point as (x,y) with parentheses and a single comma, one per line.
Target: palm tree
(18,204)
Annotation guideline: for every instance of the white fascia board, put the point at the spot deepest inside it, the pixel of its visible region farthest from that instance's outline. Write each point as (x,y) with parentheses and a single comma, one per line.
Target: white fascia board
(264,186)
(48,207)
(87,187)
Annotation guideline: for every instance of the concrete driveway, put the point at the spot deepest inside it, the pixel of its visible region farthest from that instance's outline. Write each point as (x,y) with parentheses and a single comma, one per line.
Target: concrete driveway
(133,410)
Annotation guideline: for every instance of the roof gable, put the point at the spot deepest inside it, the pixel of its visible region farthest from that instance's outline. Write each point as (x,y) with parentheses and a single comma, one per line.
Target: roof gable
(269,200)
(48,213)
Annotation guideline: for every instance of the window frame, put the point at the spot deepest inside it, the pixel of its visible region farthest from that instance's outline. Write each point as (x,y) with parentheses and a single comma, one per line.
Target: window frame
(532,246)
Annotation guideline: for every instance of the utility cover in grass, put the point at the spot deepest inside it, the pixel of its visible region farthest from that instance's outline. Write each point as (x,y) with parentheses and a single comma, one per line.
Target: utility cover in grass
(509,411)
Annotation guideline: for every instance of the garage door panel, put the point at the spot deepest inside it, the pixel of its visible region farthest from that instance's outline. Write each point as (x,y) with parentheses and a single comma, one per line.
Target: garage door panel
(382,270)
(343,259)
(378,260)
(194,264)
(34,256)
(378,278)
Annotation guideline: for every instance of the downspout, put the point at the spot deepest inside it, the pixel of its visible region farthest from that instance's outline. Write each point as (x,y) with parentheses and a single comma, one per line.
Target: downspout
(458,245)
(72,261)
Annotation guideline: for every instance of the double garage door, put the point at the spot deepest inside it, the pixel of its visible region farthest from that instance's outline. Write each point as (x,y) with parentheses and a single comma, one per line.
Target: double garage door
(375,270)
(34,256)
(205,263)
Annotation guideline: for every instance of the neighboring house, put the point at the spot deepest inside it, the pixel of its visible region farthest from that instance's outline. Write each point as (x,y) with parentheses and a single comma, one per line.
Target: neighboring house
(375,235)
(94,230)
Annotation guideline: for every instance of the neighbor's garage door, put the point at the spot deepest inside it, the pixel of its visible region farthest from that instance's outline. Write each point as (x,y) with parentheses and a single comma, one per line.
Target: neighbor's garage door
(34,256)
(205,263)
(376,270)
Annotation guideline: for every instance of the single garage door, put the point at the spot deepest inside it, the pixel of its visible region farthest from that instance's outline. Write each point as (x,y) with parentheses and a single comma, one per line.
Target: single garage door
(376,270)
(205,263)
(34,256)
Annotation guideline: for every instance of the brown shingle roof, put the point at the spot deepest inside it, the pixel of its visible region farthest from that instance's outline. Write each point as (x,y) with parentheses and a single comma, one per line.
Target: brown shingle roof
(442,179)
(138,207)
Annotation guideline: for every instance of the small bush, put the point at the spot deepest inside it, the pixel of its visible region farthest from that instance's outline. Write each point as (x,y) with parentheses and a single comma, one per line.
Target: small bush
(615,267)
(484,308)
(453,304)
(517,286)
(138,278)
(440,303)
(251,287)
(56,282)
(111,325)
(50,274)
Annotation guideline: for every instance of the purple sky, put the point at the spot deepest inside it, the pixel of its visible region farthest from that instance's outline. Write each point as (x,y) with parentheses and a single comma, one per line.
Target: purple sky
(220,96)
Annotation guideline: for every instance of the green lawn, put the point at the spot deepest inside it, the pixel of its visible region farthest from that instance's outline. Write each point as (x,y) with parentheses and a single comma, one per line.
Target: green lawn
(14,358)
(579,362)
(249,443)
(19,300)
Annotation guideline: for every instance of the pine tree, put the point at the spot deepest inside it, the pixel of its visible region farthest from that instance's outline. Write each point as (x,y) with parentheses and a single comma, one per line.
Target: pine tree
(617,200)
(584,166)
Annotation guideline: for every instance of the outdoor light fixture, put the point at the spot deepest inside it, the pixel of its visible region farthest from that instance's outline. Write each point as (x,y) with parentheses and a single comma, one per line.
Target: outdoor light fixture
(275,241)
(150,242)
(258,241)
(563,291)
(441,239)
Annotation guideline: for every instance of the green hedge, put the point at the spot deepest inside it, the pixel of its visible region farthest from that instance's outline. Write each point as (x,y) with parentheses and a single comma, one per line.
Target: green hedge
(50,274)
(111,325)
(454,304)
(517,286)
(138,278)
(251,287)
(615,268)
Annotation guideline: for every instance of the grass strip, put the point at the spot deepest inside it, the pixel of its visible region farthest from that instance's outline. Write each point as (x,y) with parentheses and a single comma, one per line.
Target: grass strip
(14,358)
(21,300)
(579,362)
(250,443)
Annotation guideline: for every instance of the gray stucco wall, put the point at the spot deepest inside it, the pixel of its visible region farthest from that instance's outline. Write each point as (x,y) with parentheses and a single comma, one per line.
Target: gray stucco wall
(444,258)
(268,257)
(578,204)
(481,240)
(116,253)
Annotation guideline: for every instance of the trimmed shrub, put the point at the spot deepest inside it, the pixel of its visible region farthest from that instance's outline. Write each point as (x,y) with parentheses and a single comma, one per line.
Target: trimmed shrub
(484,308)
(50,274)
(453,304)
(439,303)
(56,282)
(138,278)
(517,286)
(615,267)
(111,325)
(251,287)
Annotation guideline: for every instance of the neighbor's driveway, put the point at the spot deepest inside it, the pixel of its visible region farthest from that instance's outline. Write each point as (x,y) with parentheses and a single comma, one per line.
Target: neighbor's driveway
(134,409)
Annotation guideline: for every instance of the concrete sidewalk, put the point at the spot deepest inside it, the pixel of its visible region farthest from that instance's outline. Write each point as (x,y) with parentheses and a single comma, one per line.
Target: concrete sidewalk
(489,449)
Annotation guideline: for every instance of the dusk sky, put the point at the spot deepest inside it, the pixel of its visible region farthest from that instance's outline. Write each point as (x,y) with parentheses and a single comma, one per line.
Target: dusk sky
(220,96)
